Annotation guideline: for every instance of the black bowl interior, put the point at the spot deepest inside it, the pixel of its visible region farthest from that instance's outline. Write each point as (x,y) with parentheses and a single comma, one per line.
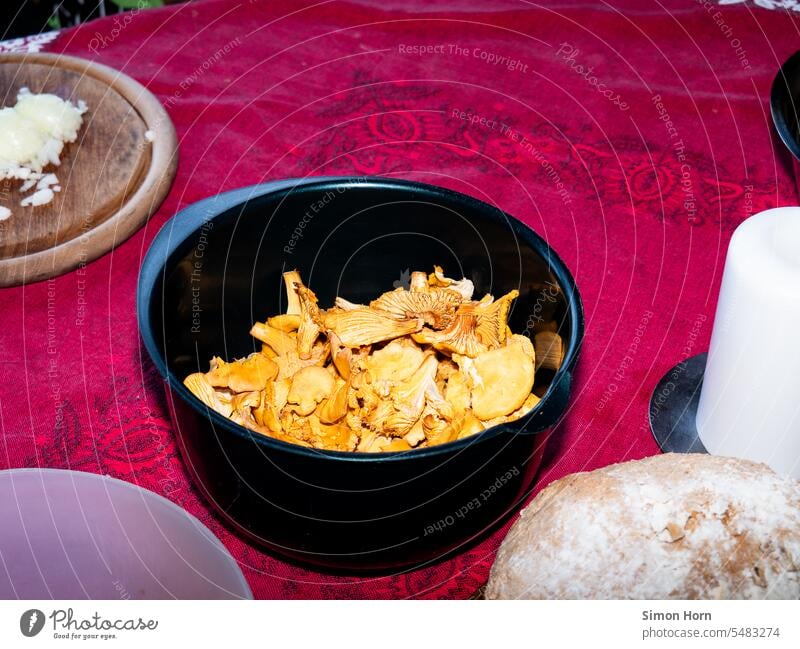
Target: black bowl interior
(222,262)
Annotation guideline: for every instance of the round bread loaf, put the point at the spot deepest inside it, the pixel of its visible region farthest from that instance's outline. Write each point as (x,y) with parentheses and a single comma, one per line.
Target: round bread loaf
(669,526)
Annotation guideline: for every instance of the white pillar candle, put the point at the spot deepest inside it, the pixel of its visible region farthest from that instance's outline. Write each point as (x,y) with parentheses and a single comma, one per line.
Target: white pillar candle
(750,399)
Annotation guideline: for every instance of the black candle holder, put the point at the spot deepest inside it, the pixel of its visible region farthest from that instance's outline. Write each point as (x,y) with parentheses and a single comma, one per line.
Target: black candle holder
(673,407)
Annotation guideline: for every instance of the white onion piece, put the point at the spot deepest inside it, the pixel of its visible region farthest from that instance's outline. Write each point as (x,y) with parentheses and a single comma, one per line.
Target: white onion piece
(46,181)
(39,197)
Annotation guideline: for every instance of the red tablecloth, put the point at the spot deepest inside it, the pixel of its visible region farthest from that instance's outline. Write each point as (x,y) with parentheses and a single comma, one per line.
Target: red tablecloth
(633,136)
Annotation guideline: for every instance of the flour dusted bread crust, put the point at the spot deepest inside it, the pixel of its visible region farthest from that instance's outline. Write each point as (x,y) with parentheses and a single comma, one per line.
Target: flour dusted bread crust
(670,526)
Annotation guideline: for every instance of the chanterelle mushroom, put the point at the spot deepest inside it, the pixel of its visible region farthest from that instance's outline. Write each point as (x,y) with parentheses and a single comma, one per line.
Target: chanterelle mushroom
(501,380)
(279,341)
(310,386)
(398,360)
(334,407)
(291,280)
(407,400)
(290,362)
(309,327)
(273,399)
(463,286)
(287,322)
(290,320)
(411,369)
(200,387)
(492,327)
(475,327)
(366,326)
(436,307)
(251,373)
(418,282)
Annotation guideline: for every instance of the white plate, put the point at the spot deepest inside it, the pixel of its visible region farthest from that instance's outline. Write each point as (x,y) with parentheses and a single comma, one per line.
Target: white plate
(74,535)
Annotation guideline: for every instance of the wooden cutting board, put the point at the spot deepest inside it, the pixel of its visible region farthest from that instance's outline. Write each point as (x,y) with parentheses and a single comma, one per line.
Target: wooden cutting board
(112,177)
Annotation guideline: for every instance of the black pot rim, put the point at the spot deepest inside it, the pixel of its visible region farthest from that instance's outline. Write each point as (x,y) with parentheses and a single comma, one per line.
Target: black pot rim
(187,221)
(781,95)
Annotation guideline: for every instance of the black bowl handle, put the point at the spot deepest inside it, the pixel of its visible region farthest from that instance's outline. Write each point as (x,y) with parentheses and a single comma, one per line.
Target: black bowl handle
(552,407)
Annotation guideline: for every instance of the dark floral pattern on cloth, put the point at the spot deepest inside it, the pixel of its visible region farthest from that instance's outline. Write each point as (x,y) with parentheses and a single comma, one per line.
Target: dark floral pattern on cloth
(129,438)
(644,178)
(386,121)
(135,440)
(389,121)
(447,580)
(66,447)
(696,191)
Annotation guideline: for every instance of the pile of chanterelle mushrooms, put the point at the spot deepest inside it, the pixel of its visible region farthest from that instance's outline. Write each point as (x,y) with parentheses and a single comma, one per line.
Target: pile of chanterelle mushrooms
(414,368)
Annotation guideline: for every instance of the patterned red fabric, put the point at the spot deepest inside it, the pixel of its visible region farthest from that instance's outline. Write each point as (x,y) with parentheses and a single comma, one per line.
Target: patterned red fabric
(633,136)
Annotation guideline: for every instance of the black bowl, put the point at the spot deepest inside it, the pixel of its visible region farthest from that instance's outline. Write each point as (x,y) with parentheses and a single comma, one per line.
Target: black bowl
(216,267)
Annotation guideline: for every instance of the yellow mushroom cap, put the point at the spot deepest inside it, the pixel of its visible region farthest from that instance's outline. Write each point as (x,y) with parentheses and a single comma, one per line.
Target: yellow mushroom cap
(505,381)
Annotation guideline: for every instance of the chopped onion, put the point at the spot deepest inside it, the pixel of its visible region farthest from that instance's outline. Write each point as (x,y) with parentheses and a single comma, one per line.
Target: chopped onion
(39,197)
(29,184)
(46,181)
(53,116)
(32,137)
(21,141)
